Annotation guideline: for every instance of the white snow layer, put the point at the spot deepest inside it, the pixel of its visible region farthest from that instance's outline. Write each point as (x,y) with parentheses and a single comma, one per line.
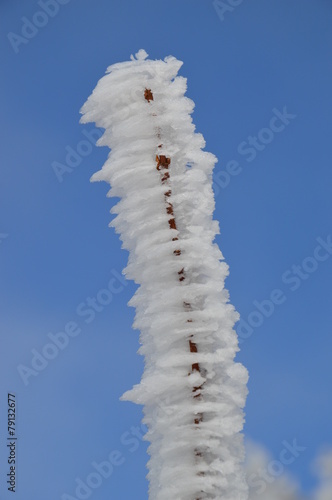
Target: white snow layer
(192,397)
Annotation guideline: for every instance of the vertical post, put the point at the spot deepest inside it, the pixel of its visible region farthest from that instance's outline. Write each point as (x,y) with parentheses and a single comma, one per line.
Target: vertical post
(163,166)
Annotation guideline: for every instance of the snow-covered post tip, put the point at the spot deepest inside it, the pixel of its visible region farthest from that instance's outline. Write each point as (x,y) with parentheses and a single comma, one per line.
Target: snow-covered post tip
(192,390)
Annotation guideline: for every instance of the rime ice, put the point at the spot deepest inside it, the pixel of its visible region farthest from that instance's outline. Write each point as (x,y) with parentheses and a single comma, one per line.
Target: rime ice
(192,390)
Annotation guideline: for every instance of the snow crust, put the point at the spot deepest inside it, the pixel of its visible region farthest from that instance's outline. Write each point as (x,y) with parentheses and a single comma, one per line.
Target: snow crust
(189,460)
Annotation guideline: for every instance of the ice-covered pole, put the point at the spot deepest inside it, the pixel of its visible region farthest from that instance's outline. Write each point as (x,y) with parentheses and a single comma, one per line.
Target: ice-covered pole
(192,390)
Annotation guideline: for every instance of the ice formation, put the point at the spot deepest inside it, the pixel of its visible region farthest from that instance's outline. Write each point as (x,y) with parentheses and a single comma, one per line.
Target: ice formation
(192,390)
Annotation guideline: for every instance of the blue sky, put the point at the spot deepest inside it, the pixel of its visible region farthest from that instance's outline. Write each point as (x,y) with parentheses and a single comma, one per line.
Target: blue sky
(256,61)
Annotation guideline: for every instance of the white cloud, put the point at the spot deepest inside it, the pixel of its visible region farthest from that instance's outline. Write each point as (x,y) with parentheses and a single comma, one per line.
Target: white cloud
(323,469)
(268,478)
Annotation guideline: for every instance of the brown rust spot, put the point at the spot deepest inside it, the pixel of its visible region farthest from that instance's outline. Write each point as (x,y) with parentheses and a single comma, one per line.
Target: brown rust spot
(198,419)
(165,177)
(172,223)
(148,95)
(162,161)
